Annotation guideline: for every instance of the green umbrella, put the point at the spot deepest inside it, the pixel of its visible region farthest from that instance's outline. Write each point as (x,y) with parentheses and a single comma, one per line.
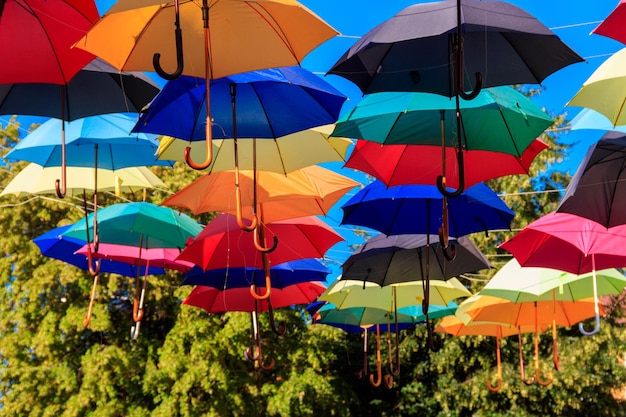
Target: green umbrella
(527,284)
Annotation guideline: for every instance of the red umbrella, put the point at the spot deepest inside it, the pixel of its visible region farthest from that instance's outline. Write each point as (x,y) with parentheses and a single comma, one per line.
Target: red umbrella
(37,38)
(570,243)
(395,164)
(613,26)
(223,244)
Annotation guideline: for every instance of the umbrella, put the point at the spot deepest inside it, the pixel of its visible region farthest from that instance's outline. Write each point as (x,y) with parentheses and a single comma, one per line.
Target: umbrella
(582,245)
(411,209)
(405,258)
(214,300)
(265,103)
(416,49)
(612,26)
(37,35)
(281,275)
(55,245)
(36,179)
(283,154)
(97,89)
(604,90)
(276,34)
(347,293)
(311,190)
(499,119)
(599,179)
(591,119)
(222,244)
(135,255)
(456,327)
(538,313)
(399,165)
(524,284)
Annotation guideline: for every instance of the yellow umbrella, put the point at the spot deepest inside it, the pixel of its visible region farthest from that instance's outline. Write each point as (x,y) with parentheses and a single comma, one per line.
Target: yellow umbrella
(285,154)
(454,326)
(306,192)
(220,38)
(605,90)
(35,179)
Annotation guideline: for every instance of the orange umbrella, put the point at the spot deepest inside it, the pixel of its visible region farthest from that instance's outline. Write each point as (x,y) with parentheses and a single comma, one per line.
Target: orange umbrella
(223,38)
(538,313)
(306,192)
(454,326)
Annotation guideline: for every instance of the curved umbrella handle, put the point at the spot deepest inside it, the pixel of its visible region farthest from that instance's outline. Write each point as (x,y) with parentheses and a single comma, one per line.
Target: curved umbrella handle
(259,245)
(138,311)
(379,379)
(264,367)
(60,186)
(94,271)
(499,369)
(283,326)
(449,251)
(134,331)
(179,52)
(92,299)
(596,329)
(444,232)
(239,213)
(207,161)
(252,357)
(441,180)
(59,189)
(388,380)
(268,282)
(537,378)
(477,88)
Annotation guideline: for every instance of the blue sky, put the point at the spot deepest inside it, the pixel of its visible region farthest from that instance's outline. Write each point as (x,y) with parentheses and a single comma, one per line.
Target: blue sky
(572,20)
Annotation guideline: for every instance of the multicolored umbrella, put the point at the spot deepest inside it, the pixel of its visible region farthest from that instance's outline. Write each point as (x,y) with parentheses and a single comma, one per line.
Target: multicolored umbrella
(237,36)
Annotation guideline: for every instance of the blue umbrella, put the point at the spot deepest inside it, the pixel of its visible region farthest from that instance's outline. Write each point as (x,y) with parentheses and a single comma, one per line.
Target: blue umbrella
(103,141)
(261,104)
(282,275)
(54,244)
(417,209)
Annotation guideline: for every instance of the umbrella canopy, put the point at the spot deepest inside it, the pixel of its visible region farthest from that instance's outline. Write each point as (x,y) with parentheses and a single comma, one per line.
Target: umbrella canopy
(139,224)
(578,242)
(345,293)
(356,319)
(499,119)
(412,51)
(591,119)
(604,90)
(54,244)
(454,326)
(245,35)
(116,147)
(600,179)
(524,284)
(283,155)
(37,35)
(223,244)
(613,25)
(411,209)
(395,164)
(495,309)
(35,179)
(281,276)
(160,257)
(402,258)
(268,103)
(214,300)
(309,191)
(97,88)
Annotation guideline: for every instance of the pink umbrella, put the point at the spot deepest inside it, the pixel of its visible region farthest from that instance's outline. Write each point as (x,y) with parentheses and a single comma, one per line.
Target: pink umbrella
(570,243)
(160,257)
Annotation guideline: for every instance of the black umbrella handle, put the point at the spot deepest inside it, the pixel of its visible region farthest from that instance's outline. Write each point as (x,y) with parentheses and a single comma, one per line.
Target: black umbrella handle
(441,180)
(179,54)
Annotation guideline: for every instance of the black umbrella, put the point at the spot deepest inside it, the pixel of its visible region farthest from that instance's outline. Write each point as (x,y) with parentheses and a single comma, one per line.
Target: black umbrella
(97,89)
(415,49)
(598,189)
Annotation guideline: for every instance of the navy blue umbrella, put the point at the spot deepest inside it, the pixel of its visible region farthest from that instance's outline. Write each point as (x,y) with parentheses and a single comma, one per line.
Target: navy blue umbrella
(54,245)
(281,276)
(268,104)
(417,209)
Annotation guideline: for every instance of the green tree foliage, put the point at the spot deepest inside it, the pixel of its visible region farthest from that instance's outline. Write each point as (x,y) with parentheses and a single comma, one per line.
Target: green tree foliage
(189,363)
